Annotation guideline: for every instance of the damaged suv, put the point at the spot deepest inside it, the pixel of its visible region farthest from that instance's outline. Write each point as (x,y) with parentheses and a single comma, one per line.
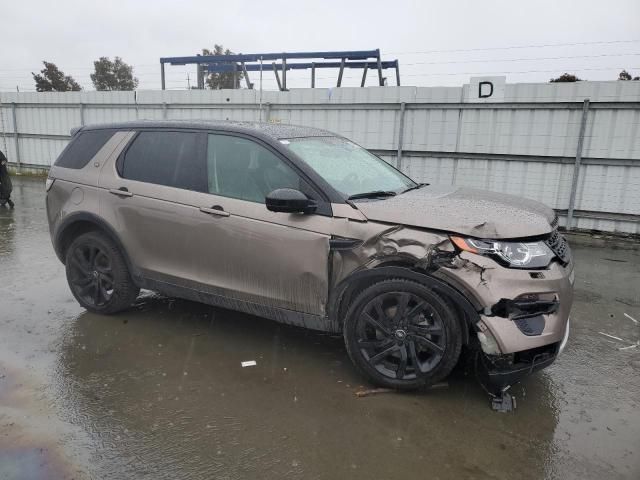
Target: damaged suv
(304,227)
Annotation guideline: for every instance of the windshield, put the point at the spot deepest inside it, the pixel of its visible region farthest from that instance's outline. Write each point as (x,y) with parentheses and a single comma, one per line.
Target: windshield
(347,167)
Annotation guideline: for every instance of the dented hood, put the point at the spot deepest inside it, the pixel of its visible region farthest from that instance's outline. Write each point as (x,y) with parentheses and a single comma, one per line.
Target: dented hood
(467,211)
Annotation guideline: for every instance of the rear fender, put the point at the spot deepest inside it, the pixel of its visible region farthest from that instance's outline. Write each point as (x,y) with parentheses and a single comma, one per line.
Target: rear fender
(80,222)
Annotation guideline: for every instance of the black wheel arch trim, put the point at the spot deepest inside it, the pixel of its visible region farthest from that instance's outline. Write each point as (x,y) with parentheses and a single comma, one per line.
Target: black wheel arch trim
(341,292)
(101,225)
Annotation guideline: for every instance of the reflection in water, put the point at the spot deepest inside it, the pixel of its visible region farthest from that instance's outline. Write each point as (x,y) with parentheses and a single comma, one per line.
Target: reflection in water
(7,231)
(161,391)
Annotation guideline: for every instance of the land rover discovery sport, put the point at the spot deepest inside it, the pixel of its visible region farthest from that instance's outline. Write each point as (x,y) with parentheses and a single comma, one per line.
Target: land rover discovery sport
(304,227)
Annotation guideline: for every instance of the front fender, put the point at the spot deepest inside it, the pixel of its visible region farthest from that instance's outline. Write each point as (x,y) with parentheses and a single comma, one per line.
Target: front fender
(342,294)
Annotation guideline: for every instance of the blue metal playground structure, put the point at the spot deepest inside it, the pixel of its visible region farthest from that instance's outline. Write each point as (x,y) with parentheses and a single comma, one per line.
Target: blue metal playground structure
(254,62)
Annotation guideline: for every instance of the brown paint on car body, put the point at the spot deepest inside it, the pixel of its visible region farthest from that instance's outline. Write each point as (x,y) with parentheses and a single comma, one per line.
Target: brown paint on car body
(462,210)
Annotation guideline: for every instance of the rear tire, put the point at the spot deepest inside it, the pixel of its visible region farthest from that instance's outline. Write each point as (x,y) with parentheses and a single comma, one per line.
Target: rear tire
(98,275)
(402,335)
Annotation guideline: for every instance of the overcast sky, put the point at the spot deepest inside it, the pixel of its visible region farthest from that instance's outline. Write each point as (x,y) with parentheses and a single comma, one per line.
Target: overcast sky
(437,43)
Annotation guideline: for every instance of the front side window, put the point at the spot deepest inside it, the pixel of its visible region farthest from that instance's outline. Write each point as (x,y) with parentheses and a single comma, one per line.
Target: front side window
(243,169)
(347,167)
(166,158)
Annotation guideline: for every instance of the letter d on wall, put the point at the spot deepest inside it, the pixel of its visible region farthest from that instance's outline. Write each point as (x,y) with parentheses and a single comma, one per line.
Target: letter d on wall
(485,90)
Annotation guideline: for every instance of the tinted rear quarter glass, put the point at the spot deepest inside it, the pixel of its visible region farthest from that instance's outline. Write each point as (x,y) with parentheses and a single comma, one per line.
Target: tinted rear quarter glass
(83,148)
(174,159)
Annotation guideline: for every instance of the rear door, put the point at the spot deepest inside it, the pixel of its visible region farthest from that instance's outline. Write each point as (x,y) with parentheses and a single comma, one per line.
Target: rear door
(151,195)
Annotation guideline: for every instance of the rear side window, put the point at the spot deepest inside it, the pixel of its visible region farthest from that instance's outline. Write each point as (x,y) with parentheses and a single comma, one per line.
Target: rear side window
(83,148)
(174,159)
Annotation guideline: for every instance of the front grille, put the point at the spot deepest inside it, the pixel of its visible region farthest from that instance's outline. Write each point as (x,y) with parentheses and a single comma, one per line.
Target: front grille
(559,246)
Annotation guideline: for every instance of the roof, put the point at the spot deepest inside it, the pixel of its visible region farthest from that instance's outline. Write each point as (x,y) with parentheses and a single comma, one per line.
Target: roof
(274,130)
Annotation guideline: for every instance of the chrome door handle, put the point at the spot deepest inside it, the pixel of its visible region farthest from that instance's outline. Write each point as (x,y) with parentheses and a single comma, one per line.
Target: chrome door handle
(121,192)
(215,210)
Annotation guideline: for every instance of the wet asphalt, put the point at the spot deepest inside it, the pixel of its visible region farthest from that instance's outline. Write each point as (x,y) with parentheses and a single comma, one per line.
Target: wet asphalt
(158,392)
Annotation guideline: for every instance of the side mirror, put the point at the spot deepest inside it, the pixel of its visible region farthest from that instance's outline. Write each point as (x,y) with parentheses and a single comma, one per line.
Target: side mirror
(288,200)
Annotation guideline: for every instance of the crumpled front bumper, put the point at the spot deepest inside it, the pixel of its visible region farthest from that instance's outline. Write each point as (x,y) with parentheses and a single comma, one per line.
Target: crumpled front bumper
(497,372)
(523,315)
(496,290)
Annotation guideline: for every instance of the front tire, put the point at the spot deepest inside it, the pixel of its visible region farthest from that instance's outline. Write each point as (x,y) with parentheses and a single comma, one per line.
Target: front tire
(98,275)
(402,335)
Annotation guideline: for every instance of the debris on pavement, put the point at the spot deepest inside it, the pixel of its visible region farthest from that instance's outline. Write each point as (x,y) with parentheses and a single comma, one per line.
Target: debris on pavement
(631,344)
(503,403)
(248,363)
(439,385)
(631,318)
(373,391)
(612,336)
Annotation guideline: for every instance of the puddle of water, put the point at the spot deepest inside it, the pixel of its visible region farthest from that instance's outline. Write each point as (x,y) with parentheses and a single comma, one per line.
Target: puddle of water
(28,464)
(164,387)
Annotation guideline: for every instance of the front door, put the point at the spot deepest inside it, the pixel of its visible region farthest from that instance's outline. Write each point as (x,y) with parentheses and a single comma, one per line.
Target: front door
(254,255)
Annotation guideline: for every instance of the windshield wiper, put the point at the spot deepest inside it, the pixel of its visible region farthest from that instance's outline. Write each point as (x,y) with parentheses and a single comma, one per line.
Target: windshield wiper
(415,187)
(374,194)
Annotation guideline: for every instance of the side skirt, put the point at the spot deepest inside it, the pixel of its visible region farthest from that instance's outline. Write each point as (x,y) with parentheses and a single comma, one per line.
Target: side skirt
(203,294)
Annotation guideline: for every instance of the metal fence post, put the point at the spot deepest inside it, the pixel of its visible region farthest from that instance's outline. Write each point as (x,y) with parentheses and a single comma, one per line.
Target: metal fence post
(15,132)
(82,114)
(3,128)
(164,110)
(454,173)
(403,106)
(267,112)
(284,74)
(576,165)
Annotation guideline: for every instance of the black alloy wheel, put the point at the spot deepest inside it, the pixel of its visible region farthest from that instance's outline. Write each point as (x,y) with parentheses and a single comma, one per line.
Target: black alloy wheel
(400,335)
(403,335)
(98,275)
(91,274)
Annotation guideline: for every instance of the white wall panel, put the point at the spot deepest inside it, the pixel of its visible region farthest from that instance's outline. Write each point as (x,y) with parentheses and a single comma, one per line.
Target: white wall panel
(38,151)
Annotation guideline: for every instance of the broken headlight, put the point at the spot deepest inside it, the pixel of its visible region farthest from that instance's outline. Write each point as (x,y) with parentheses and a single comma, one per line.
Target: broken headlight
(510,254)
